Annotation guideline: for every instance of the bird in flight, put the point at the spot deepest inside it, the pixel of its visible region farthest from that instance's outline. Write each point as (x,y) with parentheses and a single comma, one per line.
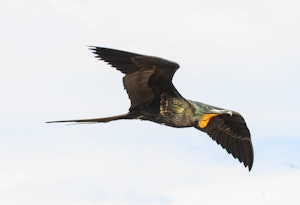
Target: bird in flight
(153,97)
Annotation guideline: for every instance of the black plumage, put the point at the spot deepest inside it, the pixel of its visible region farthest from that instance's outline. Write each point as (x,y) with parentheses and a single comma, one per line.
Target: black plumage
(148,82)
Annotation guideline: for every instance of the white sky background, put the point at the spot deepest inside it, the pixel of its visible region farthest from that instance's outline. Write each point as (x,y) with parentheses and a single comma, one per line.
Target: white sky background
(240,55)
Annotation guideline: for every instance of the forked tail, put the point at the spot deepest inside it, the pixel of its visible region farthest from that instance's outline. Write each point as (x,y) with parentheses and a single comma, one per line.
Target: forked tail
(97,120)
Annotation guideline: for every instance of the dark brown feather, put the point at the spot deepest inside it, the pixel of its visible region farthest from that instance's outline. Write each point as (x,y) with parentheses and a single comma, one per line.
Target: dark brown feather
(233,135)
(128,62)
(145,76)
(136,85)
(148,82)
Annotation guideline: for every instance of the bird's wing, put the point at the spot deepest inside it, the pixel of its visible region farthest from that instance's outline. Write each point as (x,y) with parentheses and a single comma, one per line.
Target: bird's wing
(231,132)
(145,76)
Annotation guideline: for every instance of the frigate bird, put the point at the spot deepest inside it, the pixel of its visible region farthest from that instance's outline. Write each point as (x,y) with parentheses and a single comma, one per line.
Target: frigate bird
(153,97)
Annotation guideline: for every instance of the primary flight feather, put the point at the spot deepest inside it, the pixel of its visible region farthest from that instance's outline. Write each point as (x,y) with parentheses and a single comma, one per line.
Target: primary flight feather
(153,97)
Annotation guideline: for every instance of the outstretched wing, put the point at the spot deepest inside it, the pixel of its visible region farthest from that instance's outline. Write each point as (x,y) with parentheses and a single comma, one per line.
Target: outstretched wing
(231,132)
(145,76)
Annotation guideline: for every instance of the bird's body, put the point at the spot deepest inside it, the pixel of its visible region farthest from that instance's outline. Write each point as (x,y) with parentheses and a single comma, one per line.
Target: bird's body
(148,82)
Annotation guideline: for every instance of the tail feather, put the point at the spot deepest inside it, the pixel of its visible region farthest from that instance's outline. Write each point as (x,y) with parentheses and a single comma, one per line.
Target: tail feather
(97,120)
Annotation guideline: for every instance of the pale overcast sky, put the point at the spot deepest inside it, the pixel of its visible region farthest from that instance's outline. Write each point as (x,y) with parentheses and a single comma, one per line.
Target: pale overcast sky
(235,54)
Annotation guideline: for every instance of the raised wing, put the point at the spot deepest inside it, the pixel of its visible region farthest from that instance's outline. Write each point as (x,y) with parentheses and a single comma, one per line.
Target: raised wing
(145,76)
(231,132)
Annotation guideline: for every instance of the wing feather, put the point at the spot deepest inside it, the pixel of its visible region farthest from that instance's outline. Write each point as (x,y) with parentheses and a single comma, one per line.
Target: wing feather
(128,62)
(232,134)
(145,76)
(136,85)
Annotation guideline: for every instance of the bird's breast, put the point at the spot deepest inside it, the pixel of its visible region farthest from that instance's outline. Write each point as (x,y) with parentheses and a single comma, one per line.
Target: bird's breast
(175,111)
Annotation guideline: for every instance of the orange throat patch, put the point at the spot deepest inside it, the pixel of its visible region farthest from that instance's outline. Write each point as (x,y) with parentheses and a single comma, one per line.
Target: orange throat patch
(202,123)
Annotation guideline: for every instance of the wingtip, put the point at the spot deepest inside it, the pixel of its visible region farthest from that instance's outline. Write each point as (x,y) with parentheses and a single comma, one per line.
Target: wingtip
(92,48)
(249,167)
